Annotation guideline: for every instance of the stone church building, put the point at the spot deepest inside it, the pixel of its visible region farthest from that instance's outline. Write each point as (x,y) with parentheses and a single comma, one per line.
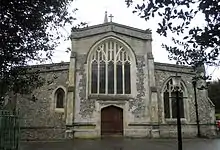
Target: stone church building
(112,86)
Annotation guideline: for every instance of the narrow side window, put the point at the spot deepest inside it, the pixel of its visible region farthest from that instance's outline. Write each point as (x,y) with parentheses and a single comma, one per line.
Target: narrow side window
(59,97)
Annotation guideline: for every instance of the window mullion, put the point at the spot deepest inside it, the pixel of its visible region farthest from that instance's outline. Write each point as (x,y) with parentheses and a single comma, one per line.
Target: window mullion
(98,80)
(106,67)
(90,77)
(106,77)
(170,103)
(115,75)
(123,74)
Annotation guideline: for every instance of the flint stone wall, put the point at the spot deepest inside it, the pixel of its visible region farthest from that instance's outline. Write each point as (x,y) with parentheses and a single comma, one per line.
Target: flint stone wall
(163,72)
(38,119)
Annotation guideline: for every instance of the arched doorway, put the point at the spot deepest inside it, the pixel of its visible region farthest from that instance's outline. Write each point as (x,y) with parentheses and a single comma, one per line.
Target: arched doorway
(112,121)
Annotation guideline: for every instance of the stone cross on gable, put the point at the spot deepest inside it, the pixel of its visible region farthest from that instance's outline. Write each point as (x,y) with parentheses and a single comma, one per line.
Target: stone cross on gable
(111,16)
(128,2)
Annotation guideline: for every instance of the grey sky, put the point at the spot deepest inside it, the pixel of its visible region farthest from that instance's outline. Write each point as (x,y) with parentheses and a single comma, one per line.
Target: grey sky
(92,11)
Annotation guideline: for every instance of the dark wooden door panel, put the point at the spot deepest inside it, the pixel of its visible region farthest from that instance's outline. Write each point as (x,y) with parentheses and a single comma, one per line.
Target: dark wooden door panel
(111,121)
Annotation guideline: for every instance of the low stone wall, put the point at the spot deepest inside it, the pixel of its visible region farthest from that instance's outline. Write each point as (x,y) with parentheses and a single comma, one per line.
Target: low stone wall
(35,134)
(133,131)
(188,131)
(138,130)
(208,130)
(85,131)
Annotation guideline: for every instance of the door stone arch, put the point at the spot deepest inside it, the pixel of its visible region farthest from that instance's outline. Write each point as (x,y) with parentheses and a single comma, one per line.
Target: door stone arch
(111,120)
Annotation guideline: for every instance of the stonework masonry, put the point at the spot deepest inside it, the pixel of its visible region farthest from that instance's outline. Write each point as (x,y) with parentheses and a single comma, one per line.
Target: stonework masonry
(206,107)
(39,119)
(143,109)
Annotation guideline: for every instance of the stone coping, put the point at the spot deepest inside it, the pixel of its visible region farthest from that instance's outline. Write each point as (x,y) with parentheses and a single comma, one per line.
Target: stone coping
(130,124)
(41,127)
(168,124)
(53,67)
(50,65)
(158,66)
(81,124)
(112,23)
(174,68)
(64,66)
(110,97)
(84,124)
(140,124)
(172,65)
(111,27)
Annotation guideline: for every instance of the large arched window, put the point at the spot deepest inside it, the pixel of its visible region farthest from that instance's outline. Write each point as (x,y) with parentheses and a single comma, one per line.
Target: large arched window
(110,68)
(59,98)
(169,99)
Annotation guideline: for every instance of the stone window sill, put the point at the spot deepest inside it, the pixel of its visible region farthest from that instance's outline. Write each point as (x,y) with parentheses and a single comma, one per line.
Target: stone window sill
(110,97)
(174,121)
(59,110)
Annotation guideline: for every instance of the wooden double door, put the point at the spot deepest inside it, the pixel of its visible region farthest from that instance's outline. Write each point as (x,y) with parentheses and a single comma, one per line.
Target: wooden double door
(111,121)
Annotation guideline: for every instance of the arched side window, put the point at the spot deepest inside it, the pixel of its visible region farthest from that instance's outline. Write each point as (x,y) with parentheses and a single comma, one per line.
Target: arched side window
(59,98)
(110,68)
(169,100)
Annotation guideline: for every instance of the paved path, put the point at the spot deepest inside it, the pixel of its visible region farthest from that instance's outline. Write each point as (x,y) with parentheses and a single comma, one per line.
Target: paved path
(124,144)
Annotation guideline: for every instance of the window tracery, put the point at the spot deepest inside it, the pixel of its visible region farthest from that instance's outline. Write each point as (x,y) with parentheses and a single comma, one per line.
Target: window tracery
(169,98)
(110,66)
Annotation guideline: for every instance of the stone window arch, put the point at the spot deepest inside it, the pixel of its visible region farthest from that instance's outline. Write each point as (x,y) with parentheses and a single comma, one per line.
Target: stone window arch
(169,100)
(110,66)
(59,98)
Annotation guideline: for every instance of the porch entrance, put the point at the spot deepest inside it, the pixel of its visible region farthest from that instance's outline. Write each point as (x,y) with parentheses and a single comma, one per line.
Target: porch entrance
(111,121)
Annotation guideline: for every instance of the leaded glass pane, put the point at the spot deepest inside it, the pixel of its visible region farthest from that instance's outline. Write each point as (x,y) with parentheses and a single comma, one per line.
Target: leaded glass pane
(111,78)
(173,103)
(127,78)
(119,79)
(166,105)
(60,98)
(102,77)
(181,105)
(94,77)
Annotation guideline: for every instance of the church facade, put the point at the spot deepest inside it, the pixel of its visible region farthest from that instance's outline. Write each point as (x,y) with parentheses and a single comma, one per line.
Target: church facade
(112,86)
